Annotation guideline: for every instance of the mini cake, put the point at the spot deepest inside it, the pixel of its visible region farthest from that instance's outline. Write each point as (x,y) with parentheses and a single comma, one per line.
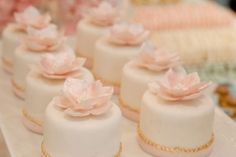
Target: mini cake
(38,42)
(177,117)
(14,33)
(115,50)
(46,81)
(151,64)
(86,118)
(92,27)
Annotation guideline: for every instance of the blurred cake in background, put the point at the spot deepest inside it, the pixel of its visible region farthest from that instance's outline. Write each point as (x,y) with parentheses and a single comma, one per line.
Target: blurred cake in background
(15,32)
(95,24)
(36,43)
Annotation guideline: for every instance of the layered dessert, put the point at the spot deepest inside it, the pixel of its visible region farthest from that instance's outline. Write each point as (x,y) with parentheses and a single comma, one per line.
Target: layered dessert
(37,42)
(150,65)
(184,16)
(114,50)
(45,81)
(14,33)
(86,118)
(210,52)
(177,117)
(92,27)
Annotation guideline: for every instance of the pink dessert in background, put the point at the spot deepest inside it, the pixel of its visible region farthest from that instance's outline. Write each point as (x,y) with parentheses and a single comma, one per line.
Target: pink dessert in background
(181,16)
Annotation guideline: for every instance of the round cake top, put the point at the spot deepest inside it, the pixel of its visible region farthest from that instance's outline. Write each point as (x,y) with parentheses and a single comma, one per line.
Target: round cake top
(103,15)
(81,98)
(155,59)
(45,39)
(60,65)
(178,87)
(124,34)
(31,17)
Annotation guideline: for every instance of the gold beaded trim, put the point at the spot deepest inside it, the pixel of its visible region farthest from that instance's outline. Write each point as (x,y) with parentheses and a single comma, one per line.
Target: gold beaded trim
(124,105)
(18,87)
(173,149)
(46,154)
(31,118)
(6,62)
(105,81)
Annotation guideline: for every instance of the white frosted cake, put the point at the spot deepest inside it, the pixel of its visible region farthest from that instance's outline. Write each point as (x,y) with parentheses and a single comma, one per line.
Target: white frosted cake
(150,65)
(82,121)
(14,33)
(177,117)
(115,50)
(92,27)
(46,81)
(37,42)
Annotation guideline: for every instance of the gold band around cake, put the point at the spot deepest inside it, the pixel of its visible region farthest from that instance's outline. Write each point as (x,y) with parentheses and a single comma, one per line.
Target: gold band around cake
(173,149)
(7,62)
(16,86)
(31,118)
(127,107)
(46,154)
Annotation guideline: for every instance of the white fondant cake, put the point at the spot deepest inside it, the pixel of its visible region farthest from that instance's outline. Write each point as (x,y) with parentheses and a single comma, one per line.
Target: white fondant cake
(14,33)
(114,50)
(177,124)
(94,26)
(11,38)
(24,58)
(87,35)
(71,132)
(151,64)
(39,92)
(109,60)
(134,84)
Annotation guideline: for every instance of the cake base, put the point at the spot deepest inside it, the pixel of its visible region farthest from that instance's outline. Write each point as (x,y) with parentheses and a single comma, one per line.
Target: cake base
(7,66)
(128,112)
(31,124)
(169,152)
(44,152)
(17,90)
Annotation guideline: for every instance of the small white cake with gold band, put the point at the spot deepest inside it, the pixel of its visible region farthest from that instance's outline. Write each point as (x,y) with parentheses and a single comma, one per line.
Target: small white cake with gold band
(37,42)
(86,118)
(150,65)
(45,81)
(92,27)
(115,50)
(14,33)
(177,117)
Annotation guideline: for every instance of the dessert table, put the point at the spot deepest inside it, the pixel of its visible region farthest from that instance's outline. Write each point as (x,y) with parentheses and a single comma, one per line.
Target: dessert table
(23,143)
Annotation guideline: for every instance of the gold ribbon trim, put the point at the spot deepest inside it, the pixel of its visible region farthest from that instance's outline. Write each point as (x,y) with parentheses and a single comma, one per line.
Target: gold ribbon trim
(16,86)
(105,81)
(173,149)
(46,154)
(125,106)
(6,62)
(31,118)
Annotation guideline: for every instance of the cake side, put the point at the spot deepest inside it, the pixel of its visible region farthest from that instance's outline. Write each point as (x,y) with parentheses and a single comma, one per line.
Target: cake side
(99,134)
(110,59)
(179,124)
